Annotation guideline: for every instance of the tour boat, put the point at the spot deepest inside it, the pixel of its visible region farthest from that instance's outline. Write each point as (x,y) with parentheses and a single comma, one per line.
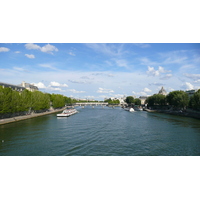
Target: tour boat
(67,113)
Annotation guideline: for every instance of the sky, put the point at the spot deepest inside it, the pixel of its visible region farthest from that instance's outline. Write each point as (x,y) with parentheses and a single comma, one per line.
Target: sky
(102,70)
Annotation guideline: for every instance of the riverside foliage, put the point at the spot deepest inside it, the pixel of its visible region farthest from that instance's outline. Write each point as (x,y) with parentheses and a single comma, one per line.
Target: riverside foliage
(177,99)
(12,101)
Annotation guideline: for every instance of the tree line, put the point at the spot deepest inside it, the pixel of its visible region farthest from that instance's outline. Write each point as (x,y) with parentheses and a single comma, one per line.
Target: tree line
(112,102)
(176,99)
(130,100)
(12,101)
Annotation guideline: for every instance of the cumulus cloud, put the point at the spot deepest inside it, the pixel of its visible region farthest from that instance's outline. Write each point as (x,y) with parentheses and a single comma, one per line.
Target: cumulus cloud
(4,49)
(103,90)
(188,86)
(147,90)
(30,56)
(48,48)
(40,85)
(152,72)
(56,84)
(32,46)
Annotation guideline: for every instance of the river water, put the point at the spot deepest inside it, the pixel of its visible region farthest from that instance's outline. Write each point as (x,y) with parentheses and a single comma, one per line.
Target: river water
(102,132)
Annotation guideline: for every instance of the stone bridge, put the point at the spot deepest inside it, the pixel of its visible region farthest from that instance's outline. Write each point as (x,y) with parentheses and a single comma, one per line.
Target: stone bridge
(92,104)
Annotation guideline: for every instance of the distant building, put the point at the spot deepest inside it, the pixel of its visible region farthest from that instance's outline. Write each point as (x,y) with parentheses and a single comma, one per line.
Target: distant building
(13,87)
(143,99)
(121,99)
(191,92)
(20,87)
(29,86)
(162,91)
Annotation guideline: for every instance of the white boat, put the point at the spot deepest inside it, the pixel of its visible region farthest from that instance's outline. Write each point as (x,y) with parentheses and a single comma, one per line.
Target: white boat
(138,109)
(129,109)
(67,113)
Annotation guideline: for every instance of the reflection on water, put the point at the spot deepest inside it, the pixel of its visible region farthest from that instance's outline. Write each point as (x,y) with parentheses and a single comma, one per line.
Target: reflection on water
(102,132)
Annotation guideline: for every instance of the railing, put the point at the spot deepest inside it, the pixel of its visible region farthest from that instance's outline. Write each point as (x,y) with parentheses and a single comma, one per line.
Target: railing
(91,104)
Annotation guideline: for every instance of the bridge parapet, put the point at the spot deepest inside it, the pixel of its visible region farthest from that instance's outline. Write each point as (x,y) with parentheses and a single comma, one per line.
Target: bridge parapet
(91,104)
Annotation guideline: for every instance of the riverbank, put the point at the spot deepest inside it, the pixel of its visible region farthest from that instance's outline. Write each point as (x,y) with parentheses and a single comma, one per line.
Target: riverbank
(187,113)
(24,117)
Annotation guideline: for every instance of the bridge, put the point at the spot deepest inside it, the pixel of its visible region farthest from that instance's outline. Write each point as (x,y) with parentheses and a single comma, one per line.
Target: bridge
(92,104)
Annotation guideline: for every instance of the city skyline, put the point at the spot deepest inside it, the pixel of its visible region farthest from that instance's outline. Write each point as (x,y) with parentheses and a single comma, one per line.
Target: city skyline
(102,70)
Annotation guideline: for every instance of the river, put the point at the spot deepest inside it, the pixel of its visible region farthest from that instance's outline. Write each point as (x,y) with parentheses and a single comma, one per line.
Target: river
(102,132)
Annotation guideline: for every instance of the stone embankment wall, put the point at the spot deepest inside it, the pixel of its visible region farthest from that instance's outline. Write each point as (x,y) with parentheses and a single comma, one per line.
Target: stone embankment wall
(19,118)
(186,113)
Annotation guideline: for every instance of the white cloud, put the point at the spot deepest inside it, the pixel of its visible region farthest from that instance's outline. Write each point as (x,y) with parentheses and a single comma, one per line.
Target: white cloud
(47,66)
(40,85)
(71,53)
(19,69)
(32,46)
(147,90)
(48,48)
(75,91)
(188,86)
(56,84)
(167,76)
(152,72)
(4,49)
(103,90)
(17,52)
(30,56)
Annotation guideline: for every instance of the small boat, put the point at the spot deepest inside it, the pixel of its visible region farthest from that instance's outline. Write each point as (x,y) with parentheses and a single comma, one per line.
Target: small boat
(129,109)
(67,113)
(138,109)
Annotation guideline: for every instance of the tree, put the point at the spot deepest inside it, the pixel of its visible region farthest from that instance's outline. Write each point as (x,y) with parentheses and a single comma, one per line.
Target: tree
(195,100)
(178,99)
(137,101)
(156,99)
(129,100)
(110,101)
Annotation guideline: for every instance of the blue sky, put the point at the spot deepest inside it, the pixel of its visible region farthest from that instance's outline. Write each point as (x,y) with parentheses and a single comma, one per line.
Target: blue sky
(102,70)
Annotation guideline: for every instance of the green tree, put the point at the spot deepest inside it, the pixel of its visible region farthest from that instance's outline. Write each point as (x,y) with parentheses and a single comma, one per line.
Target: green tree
(129,100)
(178,99)
(156,99)
(110,101)
(137,101)
(195,100)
